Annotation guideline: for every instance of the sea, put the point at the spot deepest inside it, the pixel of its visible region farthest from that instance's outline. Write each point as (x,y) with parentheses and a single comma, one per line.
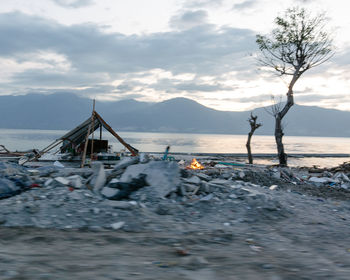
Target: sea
(327,151)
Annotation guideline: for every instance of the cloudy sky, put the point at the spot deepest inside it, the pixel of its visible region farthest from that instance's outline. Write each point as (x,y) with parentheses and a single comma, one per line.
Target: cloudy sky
(160,49)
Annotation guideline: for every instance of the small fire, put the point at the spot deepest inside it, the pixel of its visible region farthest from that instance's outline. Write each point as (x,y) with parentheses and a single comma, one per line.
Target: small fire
(195,165)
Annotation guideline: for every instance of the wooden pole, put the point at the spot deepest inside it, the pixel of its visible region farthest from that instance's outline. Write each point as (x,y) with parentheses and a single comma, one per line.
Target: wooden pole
(92,122)
(133,151)
(91,126)
(100,131)
(85,148)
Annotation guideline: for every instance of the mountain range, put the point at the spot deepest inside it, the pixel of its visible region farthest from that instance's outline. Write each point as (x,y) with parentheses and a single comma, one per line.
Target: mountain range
(181,115)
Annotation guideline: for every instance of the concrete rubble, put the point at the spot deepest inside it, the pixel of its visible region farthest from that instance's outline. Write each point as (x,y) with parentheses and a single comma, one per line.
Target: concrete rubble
(133,194)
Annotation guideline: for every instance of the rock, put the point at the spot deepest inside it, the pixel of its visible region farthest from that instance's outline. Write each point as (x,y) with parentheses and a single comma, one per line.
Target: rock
(126,205)
(319,181)
(190,187)
(144,158)
(194,262)
(241,174)
(62,181)
(99,176)
(9,188)
(125,162)
(251,192)
(221,182)
(117,225)
(33,172)
(181,190)
(108,192)
(124,189)
(2,220)
(113,183)
(184,173)
(95,210)
(46,171)
(193,180)
(164,209)
(163,177)
(75,195)
(204,177)
(58,164)
(207,197)
(31,208)
(226,175)
(48,182)
(75,181)
(273,187)
(204,188)
(341,176)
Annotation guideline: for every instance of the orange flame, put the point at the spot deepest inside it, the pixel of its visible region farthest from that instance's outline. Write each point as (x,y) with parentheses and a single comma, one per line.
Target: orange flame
(195,165)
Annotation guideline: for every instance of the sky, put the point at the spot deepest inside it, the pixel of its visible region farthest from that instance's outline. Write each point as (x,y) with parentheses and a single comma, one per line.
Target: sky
(156,50)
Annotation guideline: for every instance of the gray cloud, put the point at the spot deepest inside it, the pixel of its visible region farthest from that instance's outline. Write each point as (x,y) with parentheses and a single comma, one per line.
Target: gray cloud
(305,1)
(247,4)
(306,90)
(37,77)
(189,19)
(73,3)
(193,86)
(342,58)
(202,3)
(255,99)
(203,50)
(309,98)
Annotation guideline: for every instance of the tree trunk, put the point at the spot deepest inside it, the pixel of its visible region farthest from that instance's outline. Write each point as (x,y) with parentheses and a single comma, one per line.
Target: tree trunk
(250,157)
(282,156)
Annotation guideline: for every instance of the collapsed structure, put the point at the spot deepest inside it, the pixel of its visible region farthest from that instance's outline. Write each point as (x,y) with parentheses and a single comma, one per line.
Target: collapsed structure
(77,140)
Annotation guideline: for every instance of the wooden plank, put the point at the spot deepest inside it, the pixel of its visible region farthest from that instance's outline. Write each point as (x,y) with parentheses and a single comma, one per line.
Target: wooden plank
(133,151)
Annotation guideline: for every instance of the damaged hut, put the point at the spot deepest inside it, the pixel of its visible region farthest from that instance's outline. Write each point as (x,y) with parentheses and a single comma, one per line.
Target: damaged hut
(76,143)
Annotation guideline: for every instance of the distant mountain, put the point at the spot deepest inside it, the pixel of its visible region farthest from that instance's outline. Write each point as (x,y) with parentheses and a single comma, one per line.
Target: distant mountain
(65,111)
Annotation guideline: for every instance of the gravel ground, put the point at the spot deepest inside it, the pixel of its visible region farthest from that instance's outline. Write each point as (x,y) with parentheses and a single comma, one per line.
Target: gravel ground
(231,224)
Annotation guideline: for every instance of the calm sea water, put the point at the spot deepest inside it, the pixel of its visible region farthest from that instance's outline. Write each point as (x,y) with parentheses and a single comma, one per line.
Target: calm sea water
(23,139)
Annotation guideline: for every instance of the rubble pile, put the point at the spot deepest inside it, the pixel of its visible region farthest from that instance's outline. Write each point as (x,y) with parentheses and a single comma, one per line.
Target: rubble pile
(137,193)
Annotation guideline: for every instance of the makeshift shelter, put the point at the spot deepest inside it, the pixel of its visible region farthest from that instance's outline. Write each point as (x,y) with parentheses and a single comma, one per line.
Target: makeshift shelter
(79,137)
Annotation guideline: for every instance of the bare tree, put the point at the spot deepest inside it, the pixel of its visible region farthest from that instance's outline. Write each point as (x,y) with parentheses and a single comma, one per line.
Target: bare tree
(297,44)
(253,126)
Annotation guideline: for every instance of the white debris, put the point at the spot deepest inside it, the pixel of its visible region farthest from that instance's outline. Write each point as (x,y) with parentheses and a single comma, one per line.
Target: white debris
(117,225)
(62,181)
(75,181)
(58,164)
(319,179)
